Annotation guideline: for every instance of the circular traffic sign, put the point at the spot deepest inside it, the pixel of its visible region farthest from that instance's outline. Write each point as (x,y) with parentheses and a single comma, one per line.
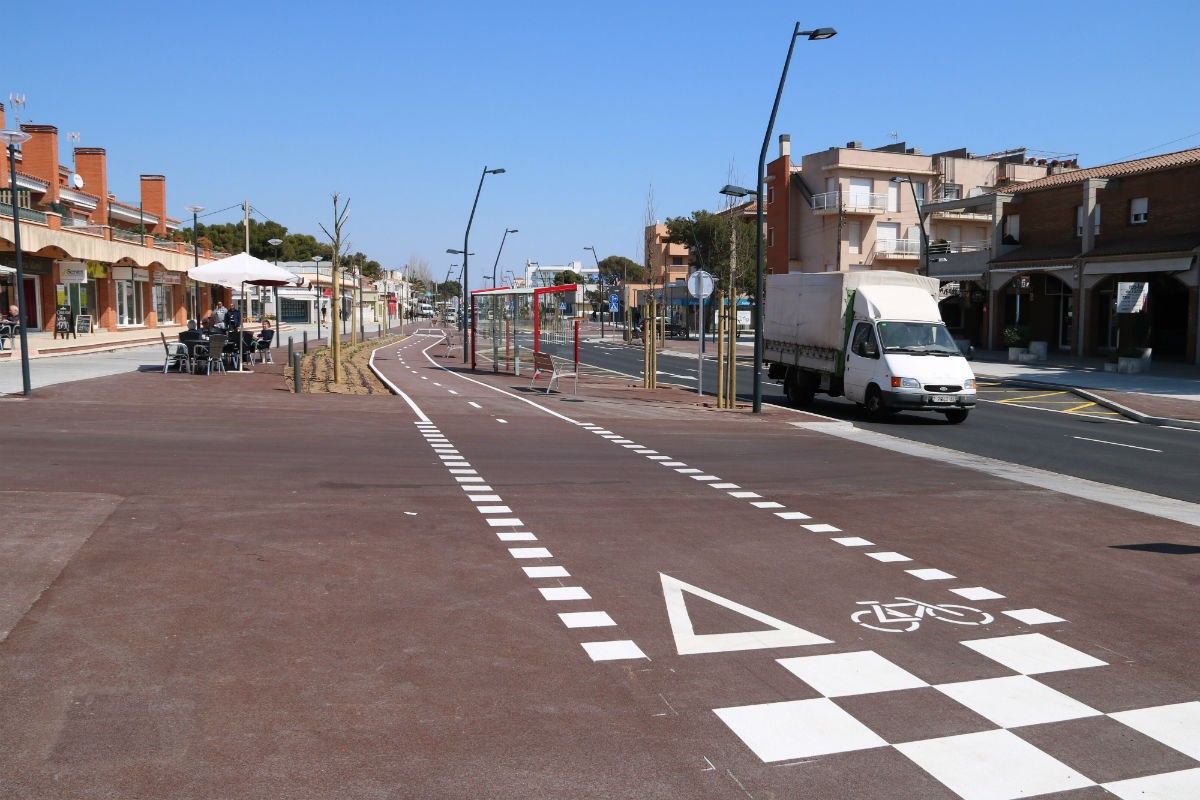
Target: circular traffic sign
(700,284)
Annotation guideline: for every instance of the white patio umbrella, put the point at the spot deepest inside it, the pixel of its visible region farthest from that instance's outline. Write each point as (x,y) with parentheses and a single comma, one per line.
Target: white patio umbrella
(243,269)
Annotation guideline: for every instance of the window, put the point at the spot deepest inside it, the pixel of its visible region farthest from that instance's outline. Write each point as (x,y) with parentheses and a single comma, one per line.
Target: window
(952,191)
(854,237)
(864,342)
(770,237)
(676,261)
(860,192)
(163,302)
(893,196)
(129,303)
(1095,220)
(1139,210)
(770,195)
(1012,229)
(919,188)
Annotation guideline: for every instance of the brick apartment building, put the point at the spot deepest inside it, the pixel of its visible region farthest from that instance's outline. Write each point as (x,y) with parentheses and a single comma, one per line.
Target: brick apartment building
(123,264)
(1062,244)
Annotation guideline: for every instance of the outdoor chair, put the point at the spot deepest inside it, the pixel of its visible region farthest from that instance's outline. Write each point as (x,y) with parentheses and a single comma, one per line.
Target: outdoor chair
(8,331)
(262,347)
(212,353)
(177,355)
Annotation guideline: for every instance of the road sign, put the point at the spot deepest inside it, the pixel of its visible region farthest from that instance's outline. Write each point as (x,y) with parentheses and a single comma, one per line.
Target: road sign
(1131,296)
(614,303)
(700,284)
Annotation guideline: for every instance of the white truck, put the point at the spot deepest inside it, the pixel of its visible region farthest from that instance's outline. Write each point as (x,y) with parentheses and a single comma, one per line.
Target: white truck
(876,337)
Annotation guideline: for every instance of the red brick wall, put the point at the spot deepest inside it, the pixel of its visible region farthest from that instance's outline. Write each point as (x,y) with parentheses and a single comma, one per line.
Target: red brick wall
(92,165)
(154,201)
(39,157)
(778,191)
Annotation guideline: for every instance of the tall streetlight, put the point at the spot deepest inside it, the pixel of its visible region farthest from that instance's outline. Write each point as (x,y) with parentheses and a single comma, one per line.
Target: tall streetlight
(466,254)
(599,280)
(507,231)
(275,243)
(813,35)
(317,307)
(195,258)
(462,274)
(12,139)
(920,222)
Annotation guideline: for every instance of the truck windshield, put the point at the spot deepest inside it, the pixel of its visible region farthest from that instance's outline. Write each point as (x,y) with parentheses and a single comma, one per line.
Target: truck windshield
(917,337)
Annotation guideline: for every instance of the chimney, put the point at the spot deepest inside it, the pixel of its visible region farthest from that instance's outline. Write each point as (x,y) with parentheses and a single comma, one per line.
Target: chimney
(785,145)
(39,158)
(154,200)
(92,165)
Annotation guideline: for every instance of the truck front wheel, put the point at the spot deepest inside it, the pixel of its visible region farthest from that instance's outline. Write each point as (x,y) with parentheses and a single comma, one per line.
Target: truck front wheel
(873,403)
(956,416)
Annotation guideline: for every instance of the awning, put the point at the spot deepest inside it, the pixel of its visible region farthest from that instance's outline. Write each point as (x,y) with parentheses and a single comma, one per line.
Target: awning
(1180,264)
(1033,268)
(960,276)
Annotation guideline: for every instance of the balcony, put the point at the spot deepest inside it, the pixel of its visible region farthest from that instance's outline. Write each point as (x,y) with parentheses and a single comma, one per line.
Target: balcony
(126,236)
(897,248)
(27,214)
(850,202)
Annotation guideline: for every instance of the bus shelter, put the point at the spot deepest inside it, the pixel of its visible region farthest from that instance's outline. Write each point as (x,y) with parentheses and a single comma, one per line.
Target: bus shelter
(509,324)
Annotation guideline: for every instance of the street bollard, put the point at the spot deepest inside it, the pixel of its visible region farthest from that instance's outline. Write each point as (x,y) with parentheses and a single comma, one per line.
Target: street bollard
(305,342)
(291,347)
(296,373)
(379,335)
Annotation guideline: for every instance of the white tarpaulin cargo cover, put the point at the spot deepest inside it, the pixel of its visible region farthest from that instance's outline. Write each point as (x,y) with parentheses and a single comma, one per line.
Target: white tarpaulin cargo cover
(808,308)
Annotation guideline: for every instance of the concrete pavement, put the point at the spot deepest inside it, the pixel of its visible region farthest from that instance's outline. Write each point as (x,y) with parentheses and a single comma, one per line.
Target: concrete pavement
(592,596)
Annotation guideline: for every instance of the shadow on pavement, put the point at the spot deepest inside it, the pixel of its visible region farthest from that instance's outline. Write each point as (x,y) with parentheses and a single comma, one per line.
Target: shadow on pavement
(1165,548)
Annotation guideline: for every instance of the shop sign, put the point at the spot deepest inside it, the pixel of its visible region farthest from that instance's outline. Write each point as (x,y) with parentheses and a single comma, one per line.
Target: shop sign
(97,270)
(72,272)
(168,278)
(140,274)
(1131,296)
(122,273)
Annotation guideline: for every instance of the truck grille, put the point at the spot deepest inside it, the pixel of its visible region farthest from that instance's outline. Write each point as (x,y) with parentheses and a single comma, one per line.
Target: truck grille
(942,387)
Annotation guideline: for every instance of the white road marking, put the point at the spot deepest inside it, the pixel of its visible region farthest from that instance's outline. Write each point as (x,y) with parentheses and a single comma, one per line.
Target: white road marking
(930,574)
(473,404)
(744,495)
(1032,616)
(853,541)
(557,593)
(791,515)
(529,552)
(546,572)
(469,480)
(505,522)
(613,651)
(688,471)
(688,642)
(451,391)
(977,593)
(765,503)
(821,527)
(849,674)
(493,509)
(586,619)
(477,488)
(705,478)
(888,556)
(515,536)
(1116,444)
(798,729)
(1032,654)
(672,463)
(658,458)
(1176,726)
(1182,784)
(724,486)
(485,498)
(502,421)
(462,471)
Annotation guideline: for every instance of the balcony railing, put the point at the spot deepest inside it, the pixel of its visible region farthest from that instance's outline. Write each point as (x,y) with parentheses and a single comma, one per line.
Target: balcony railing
(27,214)
(850,202)
(944,248)
(127,236)
(898,247)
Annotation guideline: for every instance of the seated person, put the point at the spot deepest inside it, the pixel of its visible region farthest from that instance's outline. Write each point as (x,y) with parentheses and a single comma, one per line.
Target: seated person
(208,324)
(13,317)
(266,329)
(192,334)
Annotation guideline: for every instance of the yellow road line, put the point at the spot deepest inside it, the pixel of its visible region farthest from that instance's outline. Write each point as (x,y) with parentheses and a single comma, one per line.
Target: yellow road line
(1030,397)
(1079,407)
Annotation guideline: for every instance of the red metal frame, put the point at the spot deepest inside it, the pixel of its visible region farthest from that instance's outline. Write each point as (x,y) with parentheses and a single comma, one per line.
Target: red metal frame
(537,295)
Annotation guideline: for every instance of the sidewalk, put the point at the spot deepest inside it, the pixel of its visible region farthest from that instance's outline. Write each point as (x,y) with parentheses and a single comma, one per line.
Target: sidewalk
(1169,392)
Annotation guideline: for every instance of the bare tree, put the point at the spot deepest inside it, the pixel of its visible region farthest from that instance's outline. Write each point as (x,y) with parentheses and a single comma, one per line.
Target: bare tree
(341,212)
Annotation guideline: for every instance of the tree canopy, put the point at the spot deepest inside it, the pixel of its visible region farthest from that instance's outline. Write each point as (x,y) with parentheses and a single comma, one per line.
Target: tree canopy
(567,276)
(707,237)
(620,268)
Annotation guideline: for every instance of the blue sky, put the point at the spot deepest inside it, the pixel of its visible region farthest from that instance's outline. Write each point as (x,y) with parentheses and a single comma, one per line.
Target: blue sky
(400,105)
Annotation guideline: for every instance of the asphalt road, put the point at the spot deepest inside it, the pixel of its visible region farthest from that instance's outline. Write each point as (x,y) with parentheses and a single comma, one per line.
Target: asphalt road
(1148,458)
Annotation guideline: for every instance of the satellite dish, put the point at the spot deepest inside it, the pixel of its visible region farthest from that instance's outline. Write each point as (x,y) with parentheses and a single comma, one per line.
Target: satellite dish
(77,180)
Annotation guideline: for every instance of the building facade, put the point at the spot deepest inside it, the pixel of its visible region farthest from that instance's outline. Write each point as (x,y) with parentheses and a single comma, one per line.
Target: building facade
(118,265)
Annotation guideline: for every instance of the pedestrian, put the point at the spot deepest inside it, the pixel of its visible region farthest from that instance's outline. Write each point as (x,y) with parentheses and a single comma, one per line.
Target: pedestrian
(324,315)
(220,313)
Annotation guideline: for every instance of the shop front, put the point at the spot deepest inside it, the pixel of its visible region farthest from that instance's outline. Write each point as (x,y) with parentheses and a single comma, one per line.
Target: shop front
(1036,303)
(166,293)
(129,287)
(38,271)
(77,289)
(1165,329)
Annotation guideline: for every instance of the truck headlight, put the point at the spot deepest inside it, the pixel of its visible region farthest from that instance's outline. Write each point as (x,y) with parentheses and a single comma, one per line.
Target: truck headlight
(906,383)
(969,384)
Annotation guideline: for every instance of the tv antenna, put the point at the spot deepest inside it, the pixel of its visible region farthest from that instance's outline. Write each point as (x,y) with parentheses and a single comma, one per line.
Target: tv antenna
(17,102)
(895,135)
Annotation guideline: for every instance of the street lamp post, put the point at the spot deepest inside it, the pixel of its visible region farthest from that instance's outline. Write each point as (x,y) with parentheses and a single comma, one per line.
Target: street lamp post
(467,247)
(195,259)
(760,266)
(507,231)
(924,260)
(600,281)
(275,243)
(317,307)
(12,139)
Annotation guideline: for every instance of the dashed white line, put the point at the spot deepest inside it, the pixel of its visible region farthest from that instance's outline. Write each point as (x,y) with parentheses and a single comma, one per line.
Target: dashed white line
(888,557)
(473,404)
(791,515)
(555,593)
(546,572)
(529,552)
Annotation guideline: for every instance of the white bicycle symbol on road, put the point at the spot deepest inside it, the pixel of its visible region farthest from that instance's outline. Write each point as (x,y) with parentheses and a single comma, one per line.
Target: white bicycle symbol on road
(905,615)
